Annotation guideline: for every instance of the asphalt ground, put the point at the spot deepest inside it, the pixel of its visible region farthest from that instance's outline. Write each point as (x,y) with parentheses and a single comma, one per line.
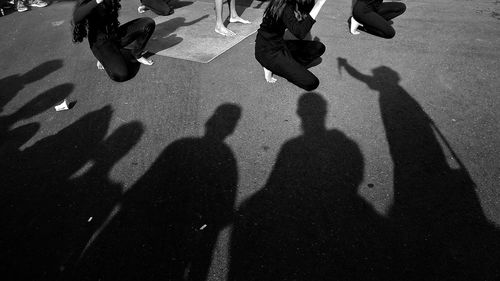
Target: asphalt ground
(421,104)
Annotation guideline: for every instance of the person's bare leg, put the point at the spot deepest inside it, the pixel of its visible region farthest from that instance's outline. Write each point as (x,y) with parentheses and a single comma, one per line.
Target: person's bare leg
(219,25)
(269,75)
(234,15)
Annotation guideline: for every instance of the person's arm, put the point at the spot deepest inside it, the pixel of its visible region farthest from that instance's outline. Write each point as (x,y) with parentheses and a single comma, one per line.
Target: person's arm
(83,9)
(317,7)
(342,62)
(301,29)
(298,28)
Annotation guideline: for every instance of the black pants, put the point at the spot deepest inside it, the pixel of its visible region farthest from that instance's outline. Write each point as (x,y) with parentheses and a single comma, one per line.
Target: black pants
(112,53)
(291,62)
(375,17)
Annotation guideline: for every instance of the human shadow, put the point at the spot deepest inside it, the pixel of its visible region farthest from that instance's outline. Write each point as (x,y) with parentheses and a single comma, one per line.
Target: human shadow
(170,219)
(13,138)
(51,189)
(13,84)
(308,221)
(164,37)
(443,232)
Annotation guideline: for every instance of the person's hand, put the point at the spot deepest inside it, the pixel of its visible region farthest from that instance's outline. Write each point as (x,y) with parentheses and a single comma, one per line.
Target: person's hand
(99,1)
(341,61)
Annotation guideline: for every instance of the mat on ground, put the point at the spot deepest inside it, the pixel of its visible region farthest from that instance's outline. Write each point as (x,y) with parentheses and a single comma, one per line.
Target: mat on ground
(189,33)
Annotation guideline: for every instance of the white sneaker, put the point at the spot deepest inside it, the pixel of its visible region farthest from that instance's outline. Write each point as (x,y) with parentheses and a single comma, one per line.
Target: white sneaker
(37,3)
(21,7)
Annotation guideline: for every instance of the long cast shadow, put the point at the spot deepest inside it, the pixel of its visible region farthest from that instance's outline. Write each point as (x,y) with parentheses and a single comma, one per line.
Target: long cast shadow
(443,233)
(169,221)
(11,85)
(55,193)
(165,37)
(308,222)
(13,138)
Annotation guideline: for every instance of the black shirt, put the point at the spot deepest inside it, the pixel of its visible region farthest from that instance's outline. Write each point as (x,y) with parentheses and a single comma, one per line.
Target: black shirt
(270,33)
(102,22)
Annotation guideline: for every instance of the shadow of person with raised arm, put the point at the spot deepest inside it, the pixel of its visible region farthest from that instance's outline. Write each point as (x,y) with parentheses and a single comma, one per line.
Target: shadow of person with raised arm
(443,232)
(308,222)
(169,221)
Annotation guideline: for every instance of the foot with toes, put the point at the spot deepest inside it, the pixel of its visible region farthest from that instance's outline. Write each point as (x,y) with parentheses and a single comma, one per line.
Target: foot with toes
(238,19)
(222,30)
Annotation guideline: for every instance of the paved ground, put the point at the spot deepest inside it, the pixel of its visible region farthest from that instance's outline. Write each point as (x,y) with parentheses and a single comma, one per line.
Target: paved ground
(421,104)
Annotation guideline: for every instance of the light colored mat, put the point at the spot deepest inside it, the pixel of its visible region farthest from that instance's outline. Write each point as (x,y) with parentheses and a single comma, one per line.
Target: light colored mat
(189,33)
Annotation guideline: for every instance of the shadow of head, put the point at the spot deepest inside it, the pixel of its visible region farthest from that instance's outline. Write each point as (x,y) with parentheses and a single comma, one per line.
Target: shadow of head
(44,101)
(386,74)
(41,71)
(312,109)
(223,122)
(119,143)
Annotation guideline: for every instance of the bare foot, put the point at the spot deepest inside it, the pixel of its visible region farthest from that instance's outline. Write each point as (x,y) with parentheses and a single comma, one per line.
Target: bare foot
(141,9)
(238,19)
(222,30)
(145,61)
(269,76)
(100,66)
(353,26)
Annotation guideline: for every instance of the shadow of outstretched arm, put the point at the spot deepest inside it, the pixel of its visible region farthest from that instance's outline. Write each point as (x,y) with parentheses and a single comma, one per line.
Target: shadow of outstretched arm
(342,62)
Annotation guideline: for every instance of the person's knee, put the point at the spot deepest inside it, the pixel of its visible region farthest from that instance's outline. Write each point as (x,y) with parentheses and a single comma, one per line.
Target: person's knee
(321,49)
(120,76)
(311,84)
(149,25)
(389,33)
(402,7)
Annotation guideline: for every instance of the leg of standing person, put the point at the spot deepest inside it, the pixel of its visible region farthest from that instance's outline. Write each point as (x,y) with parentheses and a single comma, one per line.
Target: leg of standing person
(234,17)
(219,24)
(372,22)
(136,34)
